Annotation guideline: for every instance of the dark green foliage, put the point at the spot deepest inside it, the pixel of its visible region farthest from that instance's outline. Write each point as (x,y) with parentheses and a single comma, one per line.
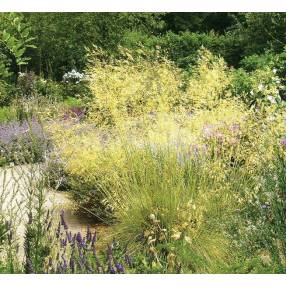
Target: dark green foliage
(62,37)
(7,93)
(15,39)
(199,22)
(183,48)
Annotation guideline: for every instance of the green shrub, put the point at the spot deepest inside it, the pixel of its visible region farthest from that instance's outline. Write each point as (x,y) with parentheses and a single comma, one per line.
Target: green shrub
(182,48)
(50,89)
(262,61)
(7,93)
(7,113)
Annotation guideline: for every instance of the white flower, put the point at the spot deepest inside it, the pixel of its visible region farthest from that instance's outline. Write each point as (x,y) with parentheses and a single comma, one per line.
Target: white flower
(274,70)
(260,87)
(152,217)
(73,76)
(252,92)
(271,99)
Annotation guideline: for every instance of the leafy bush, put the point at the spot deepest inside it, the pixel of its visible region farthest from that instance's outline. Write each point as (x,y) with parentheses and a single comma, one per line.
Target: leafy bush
(50,89)
(208,83)
(7,93)
(15,40)
(255,62)
(259,88)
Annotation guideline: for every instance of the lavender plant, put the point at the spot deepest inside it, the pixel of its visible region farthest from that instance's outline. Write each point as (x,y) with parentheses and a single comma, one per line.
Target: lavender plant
(23,142)
(79,253)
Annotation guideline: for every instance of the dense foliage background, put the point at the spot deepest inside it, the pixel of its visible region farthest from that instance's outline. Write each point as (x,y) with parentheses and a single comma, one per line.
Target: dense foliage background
(62,38)
(167,128)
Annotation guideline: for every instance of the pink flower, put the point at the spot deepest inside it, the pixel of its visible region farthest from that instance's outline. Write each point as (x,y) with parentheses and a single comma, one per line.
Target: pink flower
(283,143)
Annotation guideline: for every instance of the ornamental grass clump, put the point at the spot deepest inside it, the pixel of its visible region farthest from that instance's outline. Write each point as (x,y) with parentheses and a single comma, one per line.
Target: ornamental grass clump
(209,82)
(130,88)
(171,209)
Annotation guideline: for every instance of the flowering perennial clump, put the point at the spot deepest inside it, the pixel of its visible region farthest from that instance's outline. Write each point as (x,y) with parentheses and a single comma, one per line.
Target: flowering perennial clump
(73,77)
(79,253)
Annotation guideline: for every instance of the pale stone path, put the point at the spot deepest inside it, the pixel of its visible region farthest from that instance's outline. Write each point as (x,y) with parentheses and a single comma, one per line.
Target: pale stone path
(16,183)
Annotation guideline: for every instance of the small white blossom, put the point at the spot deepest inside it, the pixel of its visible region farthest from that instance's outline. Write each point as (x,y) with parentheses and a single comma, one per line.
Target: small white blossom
(260,87)
(274,70)
(271,99)
(73,76)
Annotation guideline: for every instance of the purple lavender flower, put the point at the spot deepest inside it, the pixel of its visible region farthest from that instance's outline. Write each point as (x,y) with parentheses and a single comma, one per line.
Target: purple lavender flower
(58,231)
(88,234)
(119,267)
(64,266)
(49,225)
(16,130)
(72,264)
(111,270)
(63,242)
(109,260)
(94,238)
(63,222)
(79,238)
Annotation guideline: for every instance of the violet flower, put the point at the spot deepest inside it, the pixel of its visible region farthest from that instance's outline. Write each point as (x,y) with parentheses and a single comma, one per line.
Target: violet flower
(119,267)
(63,222)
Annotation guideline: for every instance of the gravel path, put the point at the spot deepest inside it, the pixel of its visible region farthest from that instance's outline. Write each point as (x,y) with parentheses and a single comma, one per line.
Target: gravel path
(16,185)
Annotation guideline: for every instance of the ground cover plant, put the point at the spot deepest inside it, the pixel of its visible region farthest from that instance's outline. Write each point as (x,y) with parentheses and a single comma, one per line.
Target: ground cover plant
(171,136)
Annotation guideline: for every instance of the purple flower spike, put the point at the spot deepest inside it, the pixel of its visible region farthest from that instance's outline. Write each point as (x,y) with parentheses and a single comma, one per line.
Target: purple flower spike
(63,222)
(93,241)
(119,267)
(69,236)
(79,238)
(49,226)
(65,266)
(58,231)
(111,270)
(88,234)
(63,243)
(72,265)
